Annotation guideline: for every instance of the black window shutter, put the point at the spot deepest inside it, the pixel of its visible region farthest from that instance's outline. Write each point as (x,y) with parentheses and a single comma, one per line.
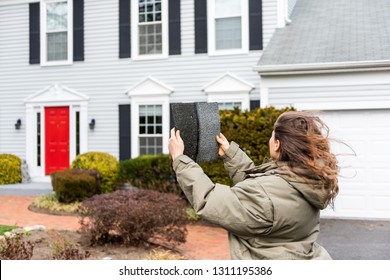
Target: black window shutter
(171,124)
(255,25)
(34,34)
(254,104)
(174,27)
(78,30)
(124,132)
(124,29)
(200,26)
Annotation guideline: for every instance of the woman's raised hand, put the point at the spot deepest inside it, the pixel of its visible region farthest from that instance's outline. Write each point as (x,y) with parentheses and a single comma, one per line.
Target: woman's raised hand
(175,144)
(223,144)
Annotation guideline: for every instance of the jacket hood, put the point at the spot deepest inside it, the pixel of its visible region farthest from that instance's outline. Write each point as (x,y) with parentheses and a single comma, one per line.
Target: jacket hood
(309,186)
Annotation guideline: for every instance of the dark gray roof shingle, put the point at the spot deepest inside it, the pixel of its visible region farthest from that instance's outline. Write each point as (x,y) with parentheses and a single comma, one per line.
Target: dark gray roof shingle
(326,31)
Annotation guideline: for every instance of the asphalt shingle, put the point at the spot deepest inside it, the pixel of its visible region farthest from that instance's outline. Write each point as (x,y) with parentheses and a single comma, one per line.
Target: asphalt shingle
(332,31)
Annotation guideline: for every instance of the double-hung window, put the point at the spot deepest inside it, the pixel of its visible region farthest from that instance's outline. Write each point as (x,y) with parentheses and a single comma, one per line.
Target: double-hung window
(228,26)
(150,129)
(56,32)
(149,29)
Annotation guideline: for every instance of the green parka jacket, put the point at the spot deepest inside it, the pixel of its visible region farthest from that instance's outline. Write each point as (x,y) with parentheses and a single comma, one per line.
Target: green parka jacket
(269,213)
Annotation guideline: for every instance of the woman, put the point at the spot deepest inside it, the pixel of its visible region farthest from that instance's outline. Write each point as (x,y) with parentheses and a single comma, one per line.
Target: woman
(273,210)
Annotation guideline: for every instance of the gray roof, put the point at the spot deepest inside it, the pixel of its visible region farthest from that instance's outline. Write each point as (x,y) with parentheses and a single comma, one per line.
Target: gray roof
(329,31)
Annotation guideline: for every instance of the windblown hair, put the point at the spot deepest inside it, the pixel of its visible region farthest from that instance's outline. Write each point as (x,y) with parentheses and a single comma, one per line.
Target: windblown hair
(304,145)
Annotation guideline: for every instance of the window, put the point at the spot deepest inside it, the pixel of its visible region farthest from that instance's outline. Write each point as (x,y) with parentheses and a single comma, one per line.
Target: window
(228,26)
(56,30)
(150,29)
(150,129)
(229,105)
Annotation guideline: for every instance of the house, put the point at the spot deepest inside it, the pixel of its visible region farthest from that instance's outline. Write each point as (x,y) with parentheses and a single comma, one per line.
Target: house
(87,75)
(334,56)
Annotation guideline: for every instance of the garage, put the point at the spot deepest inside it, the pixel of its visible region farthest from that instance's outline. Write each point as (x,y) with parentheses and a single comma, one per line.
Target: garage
(343,71)
(365,166)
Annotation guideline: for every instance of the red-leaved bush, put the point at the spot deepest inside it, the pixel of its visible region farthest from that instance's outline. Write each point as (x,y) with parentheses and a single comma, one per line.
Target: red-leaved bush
(134,217)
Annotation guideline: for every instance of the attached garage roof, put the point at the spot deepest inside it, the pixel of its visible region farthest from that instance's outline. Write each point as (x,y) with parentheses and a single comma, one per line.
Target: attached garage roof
(331,33)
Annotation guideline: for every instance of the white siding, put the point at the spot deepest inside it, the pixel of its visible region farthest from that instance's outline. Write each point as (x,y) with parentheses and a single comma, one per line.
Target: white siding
(270,19)
(103,76)
(332,97)
(187,28)
(13,61)
(290,7)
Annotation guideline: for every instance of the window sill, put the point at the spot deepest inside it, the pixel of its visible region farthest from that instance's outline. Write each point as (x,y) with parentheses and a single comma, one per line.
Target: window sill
(56,63)
(149,57)
(227,52)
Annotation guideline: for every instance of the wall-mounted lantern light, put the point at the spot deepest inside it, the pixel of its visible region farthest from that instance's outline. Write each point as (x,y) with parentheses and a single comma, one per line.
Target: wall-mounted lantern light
(92,124)
(18,124)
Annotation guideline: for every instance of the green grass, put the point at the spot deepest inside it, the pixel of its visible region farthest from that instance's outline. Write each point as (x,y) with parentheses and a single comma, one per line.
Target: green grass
(4,229)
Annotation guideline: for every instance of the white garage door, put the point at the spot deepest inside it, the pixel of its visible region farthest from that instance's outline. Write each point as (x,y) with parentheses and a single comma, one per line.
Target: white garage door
(365,178)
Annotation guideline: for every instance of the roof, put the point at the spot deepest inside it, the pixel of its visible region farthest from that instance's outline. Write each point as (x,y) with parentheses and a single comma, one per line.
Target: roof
(331,32)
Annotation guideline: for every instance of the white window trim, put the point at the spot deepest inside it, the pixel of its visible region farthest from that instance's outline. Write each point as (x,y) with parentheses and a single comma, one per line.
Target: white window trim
(134,32)
(211,30)
(137,101)
(149,91)
(242,97)
(43,29)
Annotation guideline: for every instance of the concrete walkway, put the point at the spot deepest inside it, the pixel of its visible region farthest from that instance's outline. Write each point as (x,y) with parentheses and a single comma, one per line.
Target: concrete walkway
(28,189)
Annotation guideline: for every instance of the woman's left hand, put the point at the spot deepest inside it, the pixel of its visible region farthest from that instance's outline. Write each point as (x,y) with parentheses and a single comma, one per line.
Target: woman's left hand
(175,144)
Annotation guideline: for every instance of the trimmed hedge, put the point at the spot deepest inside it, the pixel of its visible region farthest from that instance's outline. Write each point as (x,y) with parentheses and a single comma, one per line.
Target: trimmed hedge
(152,172)
(106,164)
(10,169)
(73,185)
(251,130)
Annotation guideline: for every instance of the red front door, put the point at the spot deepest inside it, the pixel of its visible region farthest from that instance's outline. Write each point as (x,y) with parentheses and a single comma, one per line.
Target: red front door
(56,139)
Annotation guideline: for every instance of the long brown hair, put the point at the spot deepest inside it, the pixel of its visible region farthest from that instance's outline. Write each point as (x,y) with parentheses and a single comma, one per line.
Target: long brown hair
(304,143)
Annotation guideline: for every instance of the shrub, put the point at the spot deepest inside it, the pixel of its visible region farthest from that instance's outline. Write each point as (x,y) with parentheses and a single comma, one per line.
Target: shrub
(133,217)
(106,164)
(13,248)
(251,130)
(64,249)
(10,169)
(152,172)
(72,185)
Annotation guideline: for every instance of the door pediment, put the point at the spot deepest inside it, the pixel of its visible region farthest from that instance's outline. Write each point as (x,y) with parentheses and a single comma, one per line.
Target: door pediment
(56,93)
(149,87)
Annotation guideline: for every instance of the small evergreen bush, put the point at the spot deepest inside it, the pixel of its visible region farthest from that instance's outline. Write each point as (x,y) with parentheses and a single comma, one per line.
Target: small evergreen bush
(249,129)
(133,217)
(106,164)
(10,169)
(152,172)
(72,185)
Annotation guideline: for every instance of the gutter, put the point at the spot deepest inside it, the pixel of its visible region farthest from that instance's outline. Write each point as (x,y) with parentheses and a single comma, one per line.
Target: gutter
(320,68)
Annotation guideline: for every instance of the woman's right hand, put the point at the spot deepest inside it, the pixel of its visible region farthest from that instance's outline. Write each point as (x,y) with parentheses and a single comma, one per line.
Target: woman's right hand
(223,144)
